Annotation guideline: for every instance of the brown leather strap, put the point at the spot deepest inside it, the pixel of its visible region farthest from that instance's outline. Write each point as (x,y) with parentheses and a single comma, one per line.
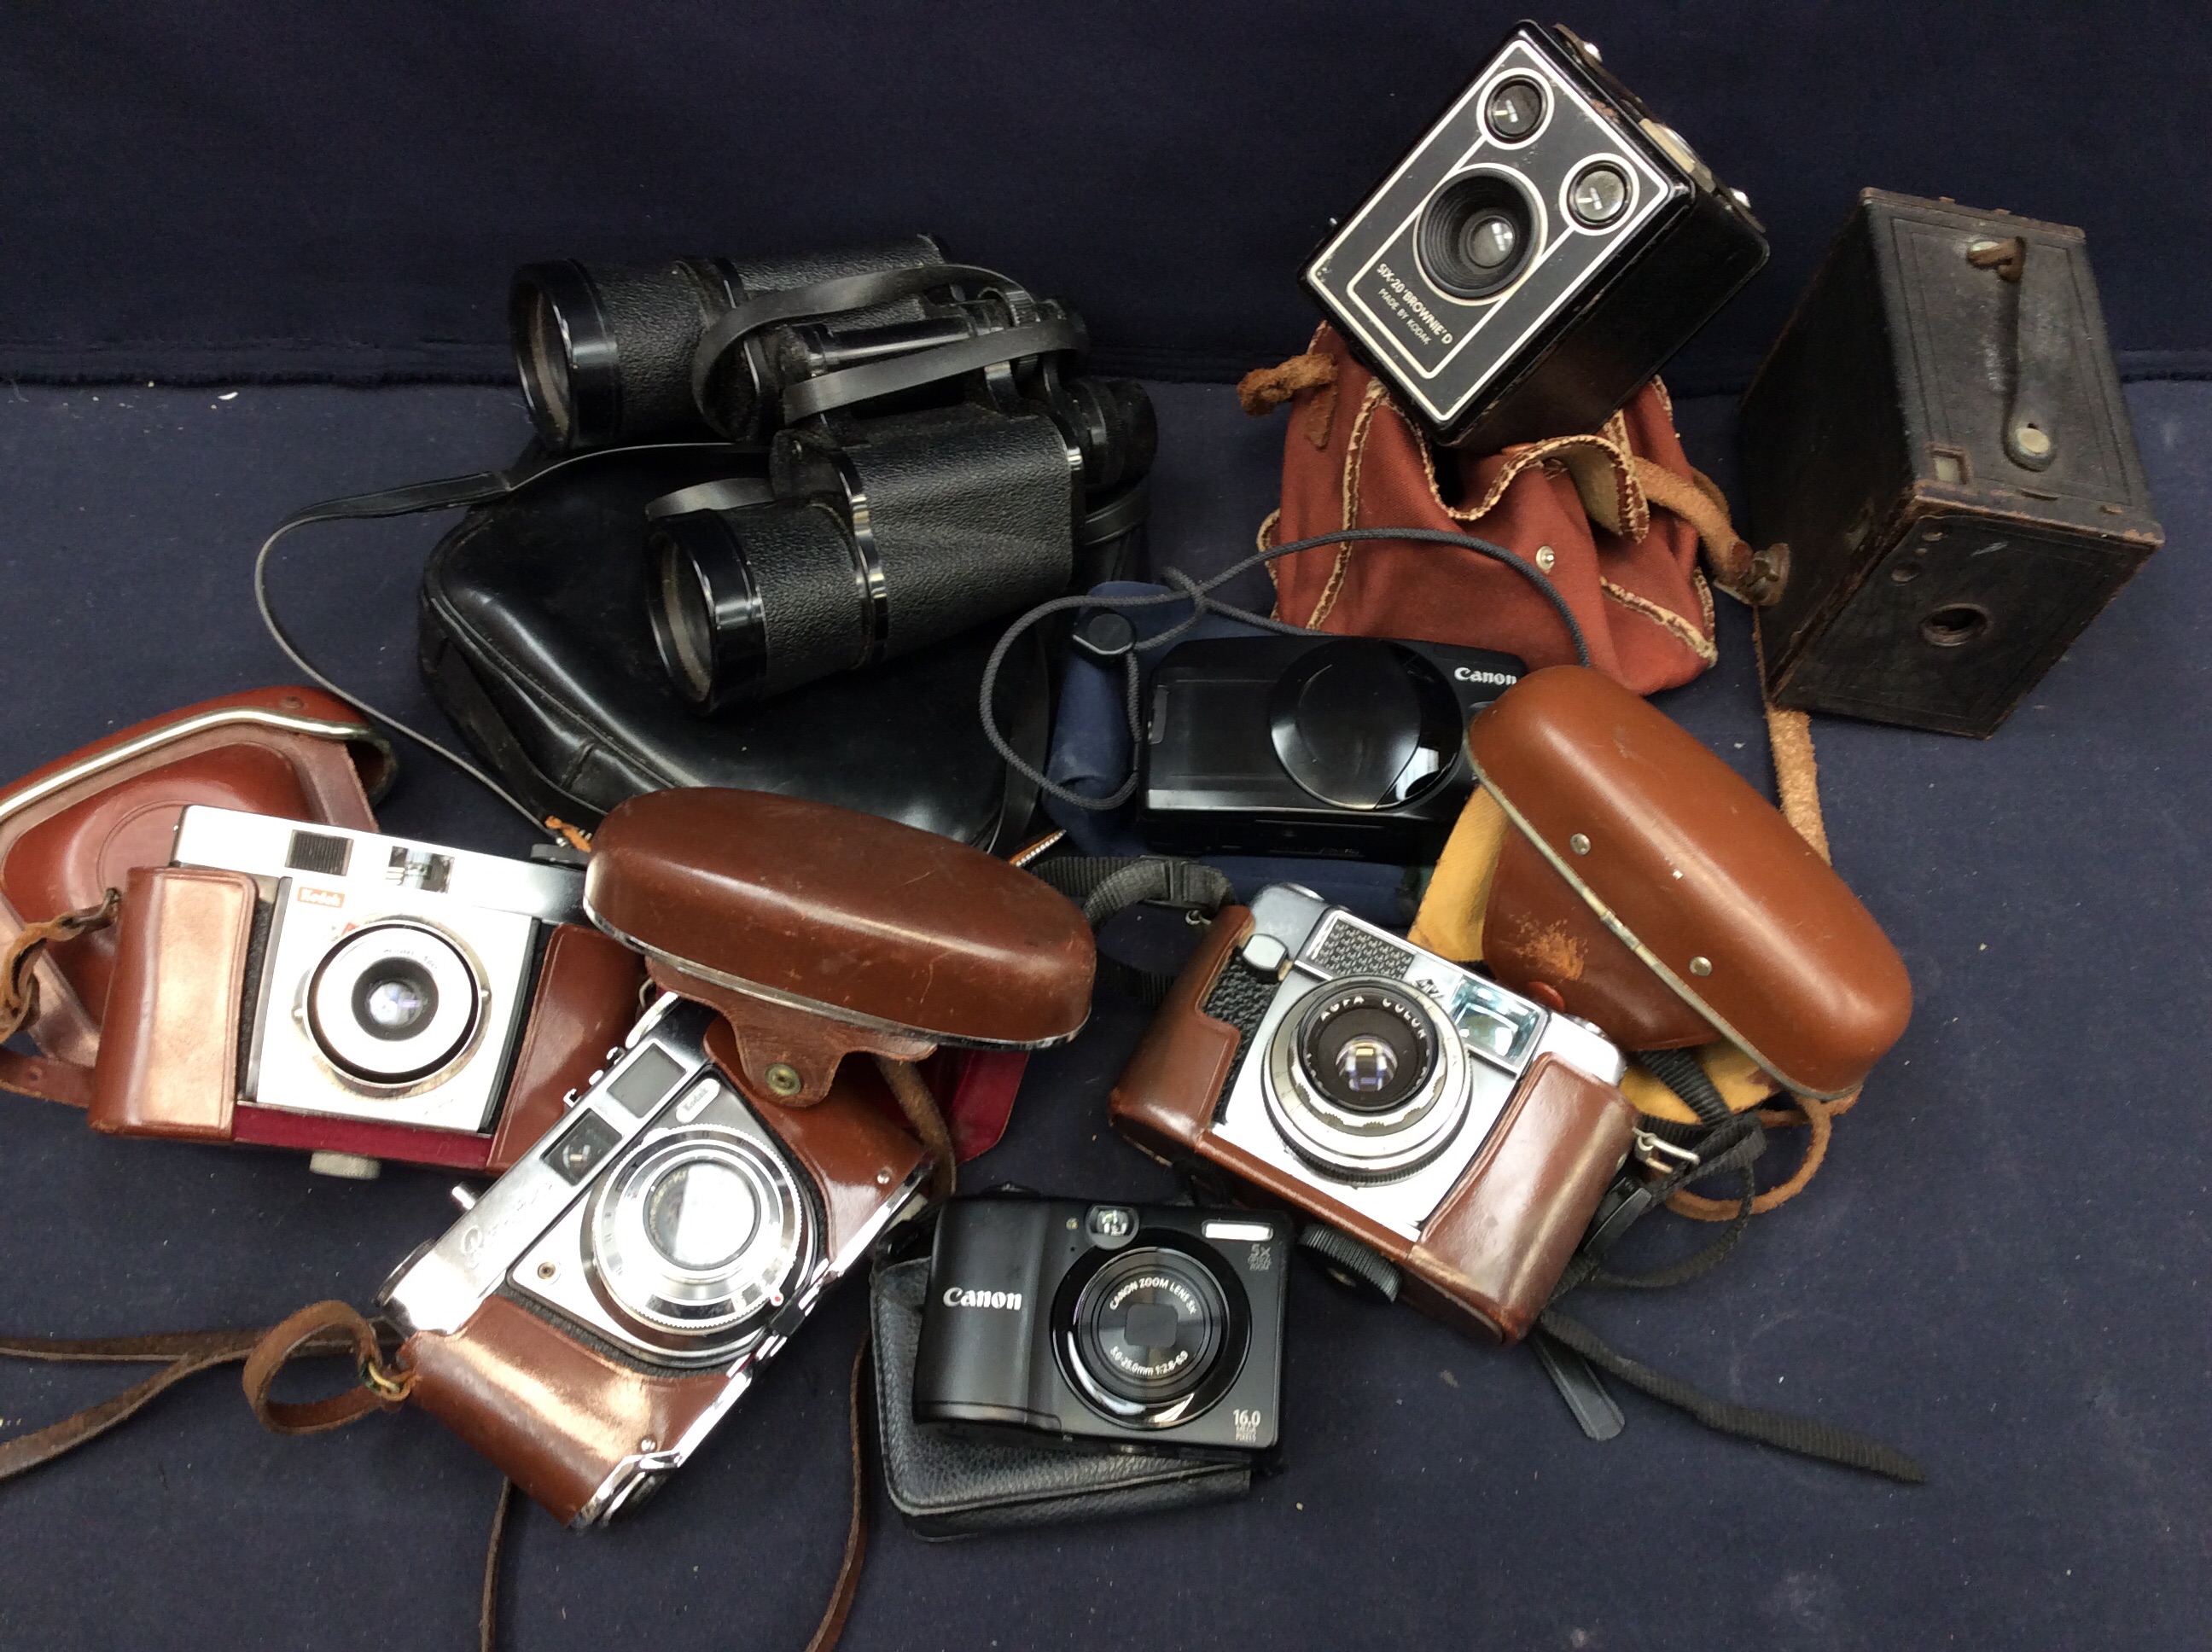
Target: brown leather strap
(487,1612)
(832,1626)
(180,1354)
(920,1108)
(30,1075)
(323,1327)
(826,1633)
(1817,1115)
(1264,389)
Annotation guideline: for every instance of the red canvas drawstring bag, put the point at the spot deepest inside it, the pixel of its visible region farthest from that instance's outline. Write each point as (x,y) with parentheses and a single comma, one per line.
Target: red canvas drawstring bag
(1617,518)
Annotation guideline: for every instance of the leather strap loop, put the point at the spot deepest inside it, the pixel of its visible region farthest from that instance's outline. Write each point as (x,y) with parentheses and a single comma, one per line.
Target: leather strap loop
(180,1354)
(323,1327)
(922,1111)
(30,1075)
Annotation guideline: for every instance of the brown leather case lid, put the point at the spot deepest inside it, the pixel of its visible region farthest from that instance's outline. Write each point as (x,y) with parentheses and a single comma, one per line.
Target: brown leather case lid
(585,999)
(855,1145)
(76,828)
(853,917)
(168,1059)
(555,1416)
(1688,872)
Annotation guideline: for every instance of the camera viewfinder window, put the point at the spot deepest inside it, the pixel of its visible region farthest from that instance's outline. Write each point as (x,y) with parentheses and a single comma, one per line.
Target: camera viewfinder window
(1493,1025)
(642,1084)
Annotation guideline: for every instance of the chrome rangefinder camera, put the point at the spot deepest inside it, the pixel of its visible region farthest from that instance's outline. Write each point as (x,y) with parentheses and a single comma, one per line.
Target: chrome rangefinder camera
(597,1311)
(645,1264)
(1150,1327)
(1538,254)
(1458,1130)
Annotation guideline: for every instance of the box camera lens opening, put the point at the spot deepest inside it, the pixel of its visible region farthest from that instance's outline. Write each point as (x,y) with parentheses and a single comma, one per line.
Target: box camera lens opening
(1955,625)
(1477,234)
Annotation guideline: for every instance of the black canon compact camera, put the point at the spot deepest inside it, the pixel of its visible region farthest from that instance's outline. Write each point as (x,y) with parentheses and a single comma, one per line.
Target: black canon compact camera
(1156,1327)
(1538,255)
(1313,745)
(932,460)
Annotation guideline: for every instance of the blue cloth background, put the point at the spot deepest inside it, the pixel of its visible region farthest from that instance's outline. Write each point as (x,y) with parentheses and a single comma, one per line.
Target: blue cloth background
(2001,1269)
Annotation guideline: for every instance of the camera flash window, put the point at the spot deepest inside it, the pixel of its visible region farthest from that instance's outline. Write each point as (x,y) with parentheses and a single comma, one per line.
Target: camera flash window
(1253,1233)
(1599,195)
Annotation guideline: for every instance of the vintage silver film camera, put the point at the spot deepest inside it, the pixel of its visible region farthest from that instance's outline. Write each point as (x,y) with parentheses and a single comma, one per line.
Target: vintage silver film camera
(1538,255)
(667,1232)
(1455,1130)
(361,996)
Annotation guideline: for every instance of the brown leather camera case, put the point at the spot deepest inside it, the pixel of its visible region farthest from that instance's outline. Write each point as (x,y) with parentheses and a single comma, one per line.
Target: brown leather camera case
(77,827)
(1488,1258)
(1649,889)
(168,1062)
(818,931)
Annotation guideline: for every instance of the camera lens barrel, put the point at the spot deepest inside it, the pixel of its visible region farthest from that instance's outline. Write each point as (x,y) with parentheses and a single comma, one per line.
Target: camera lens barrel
(1477,234)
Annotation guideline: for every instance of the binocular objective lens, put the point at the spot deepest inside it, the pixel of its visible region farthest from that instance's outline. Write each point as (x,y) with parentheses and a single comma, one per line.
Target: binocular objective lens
(701,1215)
(690,621)
(1514,109)
(1598,196)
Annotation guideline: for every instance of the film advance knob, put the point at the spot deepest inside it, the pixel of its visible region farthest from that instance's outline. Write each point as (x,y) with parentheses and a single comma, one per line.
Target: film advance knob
(1355,1266)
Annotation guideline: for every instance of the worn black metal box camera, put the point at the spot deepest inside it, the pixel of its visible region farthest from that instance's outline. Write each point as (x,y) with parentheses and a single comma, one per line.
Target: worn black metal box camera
(1939,439)
(1538,255)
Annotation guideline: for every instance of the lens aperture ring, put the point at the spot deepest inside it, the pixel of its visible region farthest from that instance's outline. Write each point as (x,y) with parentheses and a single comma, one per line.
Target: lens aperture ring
(1366,1078)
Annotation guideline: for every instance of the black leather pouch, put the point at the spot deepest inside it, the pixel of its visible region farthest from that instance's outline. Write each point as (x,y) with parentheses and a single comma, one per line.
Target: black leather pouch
(533,638)
(947,1484)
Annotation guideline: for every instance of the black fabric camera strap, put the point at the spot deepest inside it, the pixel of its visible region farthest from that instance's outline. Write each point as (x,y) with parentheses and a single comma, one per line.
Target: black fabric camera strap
(1198,594)
(1572,1353)
(1105,885)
